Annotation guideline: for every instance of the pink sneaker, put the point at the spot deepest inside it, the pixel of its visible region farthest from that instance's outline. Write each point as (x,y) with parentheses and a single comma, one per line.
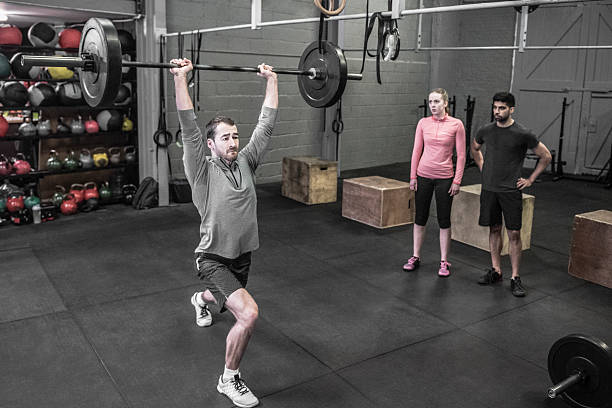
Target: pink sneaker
(444,269)
(412,263)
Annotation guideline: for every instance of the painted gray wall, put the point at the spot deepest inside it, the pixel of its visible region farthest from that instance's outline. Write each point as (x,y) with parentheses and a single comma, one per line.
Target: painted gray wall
(480,73)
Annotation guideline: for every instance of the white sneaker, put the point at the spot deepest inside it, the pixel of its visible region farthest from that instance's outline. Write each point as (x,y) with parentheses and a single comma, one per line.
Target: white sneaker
(203,316)
(237,391)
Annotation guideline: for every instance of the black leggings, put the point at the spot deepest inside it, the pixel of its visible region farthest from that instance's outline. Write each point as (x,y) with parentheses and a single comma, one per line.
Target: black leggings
(444,201)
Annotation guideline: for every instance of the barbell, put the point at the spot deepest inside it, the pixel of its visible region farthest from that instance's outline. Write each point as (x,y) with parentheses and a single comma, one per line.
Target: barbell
(580,367)
(322,71)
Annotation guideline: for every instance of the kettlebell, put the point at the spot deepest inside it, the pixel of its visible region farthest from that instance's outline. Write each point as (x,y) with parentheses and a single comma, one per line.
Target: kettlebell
(86,160)
(27,129)
(58,196)
(69,205)
(90,205)
(91,126)
(31,200)
(78,192)
(53,162)
(129,152)
(100,157)
(43,127)
(127,125)
(77,127)
(115,155)
(70,163)
(5,166)
(91,190)
(128,191)
(21,165)
(105,192)
(61,126)
(15,202)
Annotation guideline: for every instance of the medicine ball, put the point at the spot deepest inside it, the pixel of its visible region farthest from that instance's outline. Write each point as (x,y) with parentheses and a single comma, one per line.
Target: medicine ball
(42,94)
(70,94)
(126,40)
(13,93)
(42,35)
(10,35)
(60,73)
(4,126)
(69,38)
(109,120)
(21,71)
(5,67)
(123,94)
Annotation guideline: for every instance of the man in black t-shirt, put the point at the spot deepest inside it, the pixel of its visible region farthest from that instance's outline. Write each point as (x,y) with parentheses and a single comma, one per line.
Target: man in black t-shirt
(506,145)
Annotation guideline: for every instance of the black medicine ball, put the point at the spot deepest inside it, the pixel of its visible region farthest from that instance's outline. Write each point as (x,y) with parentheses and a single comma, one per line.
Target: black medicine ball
(42,35)
(109,120)
(23,71)
(42,94)
(13,93)
(70,94)
(126,40)
(5,67)
(123,95)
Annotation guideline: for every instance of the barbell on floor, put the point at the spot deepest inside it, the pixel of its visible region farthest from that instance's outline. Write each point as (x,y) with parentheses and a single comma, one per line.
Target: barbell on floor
(322,73)
(580,366)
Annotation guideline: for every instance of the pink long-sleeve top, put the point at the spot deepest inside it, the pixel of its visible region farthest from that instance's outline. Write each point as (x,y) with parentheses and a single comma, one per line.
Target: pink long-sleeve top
(434,141)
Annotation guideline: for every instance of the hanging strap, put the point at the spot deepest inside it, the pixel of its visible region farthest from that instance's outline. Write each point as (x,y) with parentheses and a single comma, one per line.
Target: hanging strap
(161,123)
(338,125)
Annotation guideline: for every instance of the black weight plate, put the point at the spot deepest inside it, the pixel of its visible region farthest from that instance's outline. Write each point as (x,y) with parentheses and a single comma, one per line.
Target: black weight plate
(591,355)
(100,39)
(327,90)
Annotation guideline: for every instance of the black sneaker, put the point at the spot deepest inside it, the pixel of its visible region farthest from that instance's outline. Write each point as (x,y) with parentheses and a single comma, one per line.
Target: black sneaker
(492,276)
(517,287)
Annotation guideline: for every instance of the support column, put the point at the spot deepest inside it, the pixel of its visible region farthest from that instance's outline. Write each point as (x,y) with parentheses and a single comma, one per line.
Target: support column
(153,161)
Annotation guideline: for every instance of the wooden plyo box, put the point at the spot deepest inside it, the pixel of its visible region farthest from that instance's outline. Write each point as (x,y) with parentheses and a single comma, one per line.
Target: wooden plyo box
(378,201)
(464,220)
(591,249)
(309,180)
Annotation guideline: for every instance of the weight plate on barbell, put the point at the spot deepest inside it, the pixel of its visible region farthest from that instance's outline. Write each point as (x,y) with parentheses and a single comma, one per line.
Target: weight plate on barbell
(593,357)
(100,40)
(326,90)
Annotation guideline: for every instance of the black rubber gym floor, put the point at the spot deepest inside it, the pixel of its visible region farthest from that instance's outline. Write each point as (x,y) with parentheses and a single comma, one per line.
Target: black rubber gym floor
(95,311)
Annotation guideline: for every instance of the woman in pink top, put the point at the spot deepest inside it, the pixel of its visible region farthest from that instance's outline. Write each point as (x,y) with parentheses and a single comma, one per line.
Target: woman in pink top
(431,170)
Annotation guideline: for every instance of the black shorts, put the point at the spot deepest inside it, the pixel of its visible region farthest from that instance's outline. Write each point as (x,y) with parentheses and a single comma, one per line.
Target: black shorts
(222,276)
(493,204)
(422,198)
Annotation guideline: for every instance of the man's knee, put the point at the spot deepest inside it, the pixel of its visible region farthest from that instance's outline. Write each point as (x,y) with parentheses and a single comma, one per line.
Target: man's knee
(514,236)
(243,306)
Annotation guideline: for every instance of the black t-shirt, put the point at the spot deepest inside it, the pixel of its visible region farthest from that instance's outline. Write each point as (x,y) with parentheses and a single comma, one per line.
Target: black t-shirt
(504,154)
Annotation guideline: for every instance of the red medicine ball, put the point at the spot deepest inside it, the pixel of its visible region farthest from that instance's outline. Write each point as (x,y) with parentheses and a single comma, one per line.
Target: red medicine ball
(69,38)
(3,126)
(10,35)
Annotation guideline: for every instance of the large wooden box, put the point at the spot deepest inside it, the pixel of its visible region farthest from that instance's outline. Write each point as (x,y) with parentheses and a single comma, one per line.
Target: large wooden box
(591,249)
(464,220)
(378,201)
(309,180)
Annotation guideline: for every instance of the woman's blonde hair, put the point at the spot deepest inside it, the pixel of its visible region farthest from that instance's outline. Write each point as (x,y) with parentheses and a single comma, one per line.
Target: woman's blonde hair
(444,94)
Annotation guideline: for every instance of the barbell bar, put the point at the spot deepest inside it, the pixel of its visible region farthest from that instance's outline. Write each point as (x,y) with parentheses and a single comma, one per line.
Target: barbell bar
(322,72)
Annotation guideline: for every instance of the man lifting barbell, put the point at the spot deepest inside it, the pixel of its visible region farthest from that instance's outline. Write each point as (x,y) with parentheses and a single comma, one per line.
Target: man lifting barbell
(223,191)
